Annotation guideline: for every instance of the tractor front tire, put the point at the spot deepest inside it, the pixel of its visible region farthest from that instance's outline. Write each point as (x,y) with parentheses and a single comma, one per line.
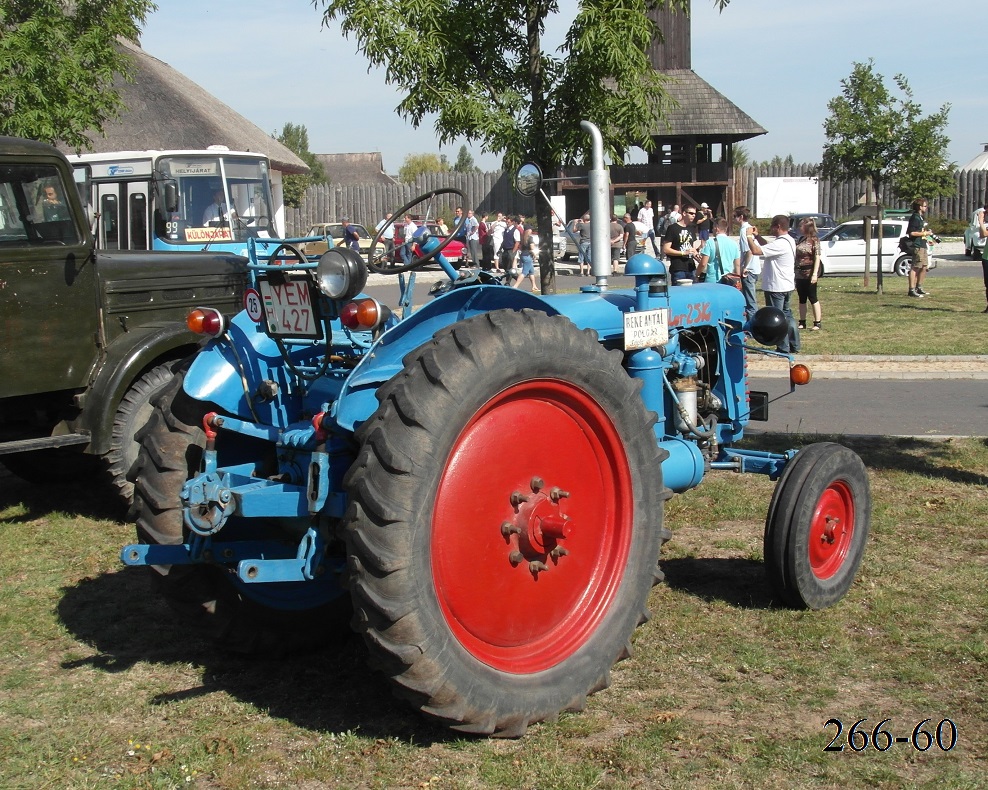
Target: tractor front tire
(817,526)
(205,595)
(505,521)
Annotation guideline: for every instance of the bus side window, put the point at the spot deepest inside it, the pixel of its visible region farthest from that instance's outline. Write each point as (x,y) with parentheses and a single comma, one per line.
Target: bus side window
(138,211)
(109,226)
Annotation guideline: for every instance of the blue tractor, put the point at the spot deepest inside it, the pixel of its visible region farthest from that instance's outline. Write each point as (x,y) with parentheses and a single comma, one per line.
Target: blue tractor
(476,485)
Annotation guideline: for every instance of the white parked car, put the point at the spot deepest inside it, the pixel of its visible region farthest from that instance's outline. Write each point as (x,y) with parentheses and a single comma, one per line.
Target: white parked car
(842,250)
(973,243)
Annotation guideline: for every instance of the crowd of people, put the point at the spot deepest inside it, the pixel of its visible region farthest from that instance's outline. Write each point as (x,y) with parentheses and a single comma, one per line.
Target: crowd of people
(497,243)
(697,247)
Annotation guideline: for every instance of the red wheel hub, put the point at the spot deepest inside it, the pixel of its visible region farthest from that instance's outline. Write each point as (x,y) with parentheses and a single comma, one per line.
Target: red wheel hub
(831,530)
(532,526)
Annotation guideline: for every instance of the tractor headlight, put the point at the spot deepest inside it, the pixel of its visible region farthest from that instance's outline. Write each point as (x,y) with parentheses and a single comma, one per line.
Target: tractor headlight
(341,273)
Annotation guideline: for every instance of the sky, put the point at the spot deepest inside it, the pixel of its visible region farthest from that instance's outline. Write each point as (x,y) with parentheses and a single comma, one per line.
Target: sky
(779,61)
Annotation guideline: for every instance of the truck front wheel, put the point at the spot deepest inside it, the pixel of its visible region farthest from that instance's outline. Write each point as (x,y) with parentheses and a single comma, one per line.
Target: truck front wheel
(505,521)
(132,414)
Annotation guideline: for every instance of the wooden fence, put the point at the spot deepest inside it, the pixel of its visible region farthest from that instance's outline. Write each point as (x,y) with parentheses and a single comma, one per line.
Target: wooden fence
(839,198)
(488,192)
(366,204)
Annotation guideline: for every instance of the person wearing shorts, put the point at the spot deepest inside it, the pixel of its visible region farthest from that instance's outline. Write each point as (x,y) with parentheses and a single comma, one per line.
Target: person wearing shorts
(918,231)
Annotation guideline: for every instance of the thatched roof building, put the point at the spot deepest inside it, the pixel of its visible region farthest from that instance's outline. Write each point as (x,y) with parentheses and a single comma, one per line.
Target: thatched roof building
(166,110)
(355,168)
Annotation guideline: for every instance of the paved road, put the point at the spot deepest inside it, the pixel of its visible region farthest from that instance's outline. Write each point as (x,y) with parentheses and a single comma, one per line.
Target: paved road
(876,407)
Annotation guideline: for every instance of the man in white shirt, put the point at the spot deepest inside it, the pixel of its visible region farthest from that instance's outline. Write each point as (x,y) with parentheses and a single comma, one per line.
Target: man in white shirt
(388,237)
(215,211)
(498,226)
(778,273)
(647,217)
(751,265)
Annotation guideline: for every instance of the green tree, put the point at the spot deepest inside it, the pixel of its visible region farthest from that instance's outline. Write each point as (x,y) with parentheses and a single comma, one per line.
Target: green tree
(872,133)
(487,78)
(296,139)
(464,162)
(741,156)
(417,164)
(60,60)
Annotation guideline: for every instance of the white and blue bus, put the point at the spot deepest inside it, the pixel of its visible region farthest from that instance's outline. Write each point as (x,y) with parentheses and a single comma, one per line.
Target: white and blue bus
(212,198)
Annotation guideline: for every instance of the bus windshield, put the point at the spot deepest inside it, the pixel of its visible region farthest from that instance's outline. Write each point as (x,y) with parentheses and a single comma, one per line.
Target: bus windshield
(212,199)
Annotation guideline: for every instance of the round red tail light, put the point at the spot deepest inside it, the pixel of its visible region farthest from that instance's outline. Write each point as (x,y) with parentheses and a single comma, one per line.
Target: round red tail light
(206,321)
(364,314)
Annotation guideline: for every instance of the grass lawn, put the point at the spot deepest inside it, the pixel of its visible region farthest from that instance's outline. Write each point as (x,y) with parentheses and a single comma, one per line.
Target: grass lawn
(860,321)
(100,687)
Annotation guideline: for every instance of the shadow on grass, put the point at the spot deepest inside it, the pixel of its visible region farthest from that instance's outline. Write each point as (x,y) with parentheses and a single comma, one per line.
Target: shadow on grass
(736,581)
(125,622)
(87,498)
(924,457)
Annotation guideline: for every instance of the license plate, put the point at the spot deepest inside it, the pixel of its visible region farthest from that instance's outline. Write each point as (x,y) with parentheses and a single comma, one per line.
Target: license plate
(646,328)
(289,307)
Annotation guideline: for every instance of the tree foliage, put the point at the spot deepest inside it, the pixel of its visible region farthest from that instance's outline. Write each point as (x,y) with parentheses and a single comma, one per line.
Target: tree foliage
(417,164)
(483,72)
(464,162)
(296,139)
(59,62)
(485,75)
(741,155)
(872,133)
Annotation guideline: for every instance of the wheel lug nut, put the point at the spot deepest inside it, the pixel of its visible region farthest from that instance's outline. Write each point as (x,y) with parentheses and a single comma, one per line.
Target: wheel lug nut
(537,484)
(537,566)
(557,493)
(558,552)
(517,498)
(516,558)
(507,528)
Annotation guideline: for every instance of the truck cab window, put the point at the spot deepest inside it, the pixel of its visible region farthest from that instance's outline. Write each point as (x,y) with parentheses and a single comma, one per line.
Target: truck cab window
(33,207)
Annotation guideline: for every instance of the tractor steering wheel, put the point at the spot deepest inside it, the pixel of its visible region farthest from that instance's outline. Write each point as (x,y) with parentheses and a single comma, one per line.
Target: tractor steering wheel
(293,252)
(375,259)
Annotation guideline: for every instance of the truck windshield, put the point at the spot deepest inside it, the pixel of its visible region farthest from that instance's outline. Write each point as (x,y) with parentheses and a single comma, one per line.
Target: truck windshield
(212,199)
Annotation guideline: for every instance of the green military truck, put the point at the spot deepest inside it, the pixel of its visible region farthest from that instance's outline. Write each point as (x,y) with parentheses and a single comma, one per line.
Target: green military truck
(87,337)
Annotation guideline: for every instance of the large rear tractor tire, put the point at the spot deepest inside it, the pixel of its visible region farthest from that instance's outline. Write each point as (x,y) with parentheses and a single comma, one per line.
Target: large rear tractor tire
(817,526)
(259,618)
(505,521)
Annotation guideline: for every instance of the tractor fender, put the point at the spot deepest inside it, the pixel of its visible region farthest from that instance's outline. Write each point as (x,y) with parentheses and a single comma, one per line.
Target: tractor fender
(357,401)
(126,359)
(215,374)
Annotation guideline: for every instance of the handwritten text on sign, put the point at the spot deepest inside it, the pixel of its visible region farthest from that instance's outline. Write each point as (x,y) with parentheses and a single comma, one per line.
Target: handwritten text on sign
(646,328)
